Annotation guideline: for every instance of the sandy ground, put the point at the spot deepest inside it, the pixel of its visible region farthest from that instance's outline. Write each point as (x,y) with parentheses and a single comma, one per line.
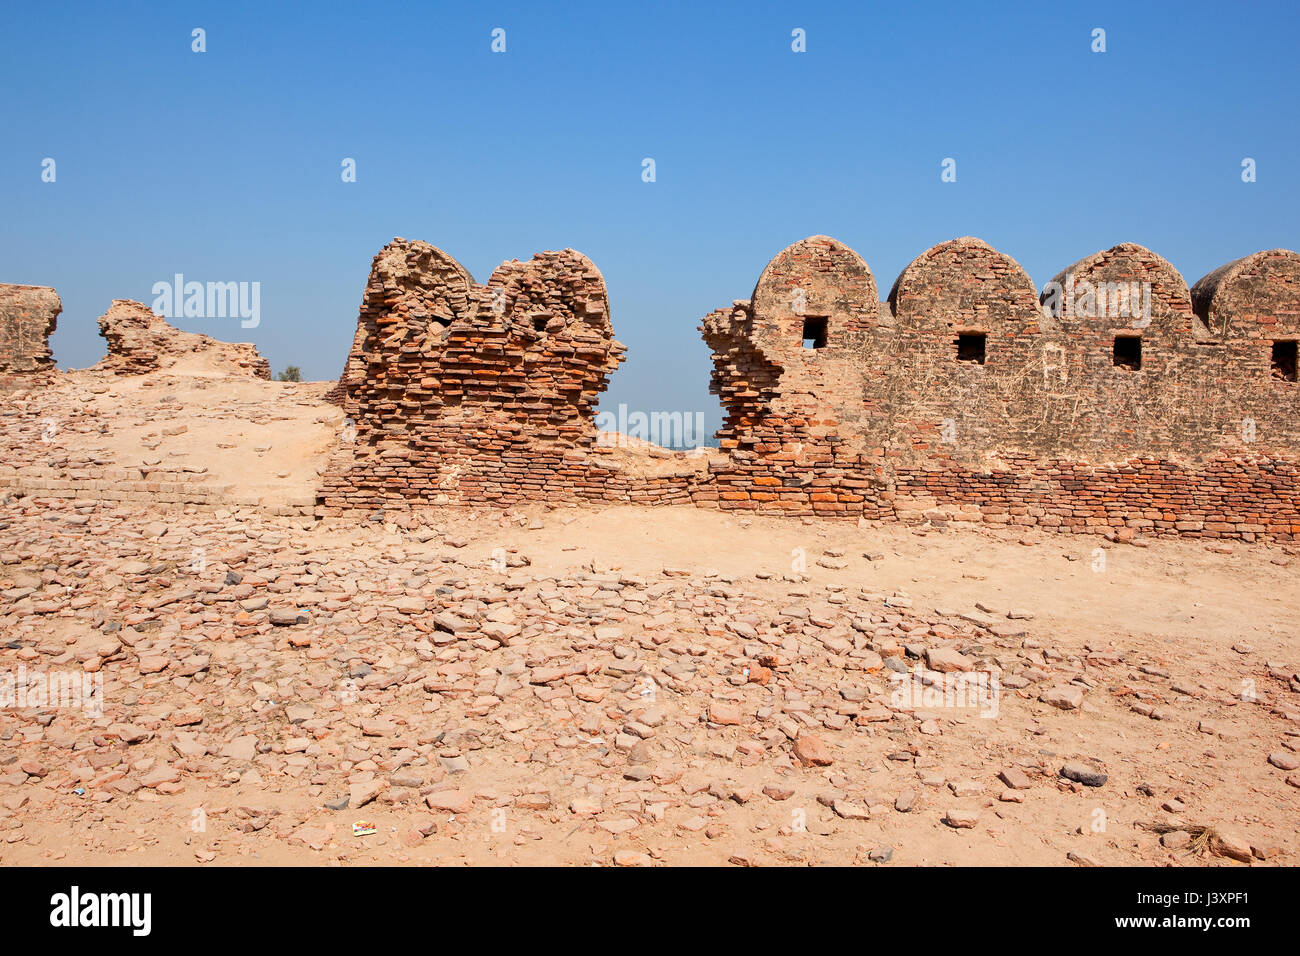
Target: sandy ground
(265,440)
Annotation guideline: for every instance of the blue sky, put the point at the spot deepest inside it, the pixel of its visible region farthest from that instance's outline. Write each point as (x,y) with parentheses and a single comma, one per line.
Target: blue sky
(225,165)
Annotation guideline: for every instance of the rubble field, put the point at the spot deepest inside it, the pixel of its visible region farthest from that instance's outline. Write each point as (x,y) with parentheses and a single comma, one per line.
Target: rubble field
(636,686)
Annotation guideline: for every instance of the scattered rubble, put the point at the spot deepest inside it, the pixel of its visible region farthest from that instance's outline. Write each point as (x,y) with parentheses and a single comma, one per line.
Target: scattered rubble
(470,710)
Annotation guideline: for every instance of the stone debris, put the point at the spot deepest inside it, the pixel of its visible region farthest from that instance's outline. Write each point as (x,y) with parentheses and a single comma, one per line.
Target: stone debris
(1284,759)
(1081,773)
(448,689)
(1065,698)
(961,819)
(1015,778)
(443,695)
(1231,845)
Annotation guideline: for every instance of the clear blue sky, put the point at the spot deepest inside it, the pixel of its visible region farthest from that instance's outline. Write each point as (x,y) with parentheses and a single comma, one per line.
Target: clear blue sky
(225,165)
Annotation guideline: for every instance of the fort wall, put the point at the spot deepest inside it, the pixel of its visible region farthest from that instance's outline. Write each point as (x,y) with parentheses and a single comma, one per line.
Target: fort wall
(1114,397)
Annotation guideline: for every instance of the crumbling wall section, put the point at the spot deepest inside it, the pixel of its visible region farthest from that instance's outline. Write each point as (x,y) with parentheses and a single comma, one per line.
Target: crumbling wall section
(787,367)
(140,341)
(28,316)
(467,392)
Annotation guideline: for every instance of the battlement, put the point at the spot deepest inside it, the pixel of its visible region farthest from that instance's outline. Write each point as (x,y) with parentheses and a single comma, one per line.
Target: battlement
(968,361)
(1113,396)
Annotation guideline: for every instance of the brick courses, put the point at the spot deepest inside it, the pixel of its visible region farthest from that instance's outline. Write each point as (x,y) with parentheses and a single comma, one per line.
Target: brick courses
(28,316)
(838,404)
(460,391)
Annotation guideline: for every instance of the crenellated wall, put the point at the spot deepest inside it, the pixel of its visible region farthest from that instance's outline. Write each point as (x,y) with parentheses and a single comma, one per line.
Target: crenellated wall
(971,395)
(1115,397)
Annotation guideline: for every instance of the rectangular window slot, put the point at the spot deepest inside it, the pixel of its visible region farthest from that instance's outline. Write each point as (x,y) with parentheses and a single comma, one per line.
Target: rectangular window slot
(1283,361)
(970,347)
(1128,352)
(814,332)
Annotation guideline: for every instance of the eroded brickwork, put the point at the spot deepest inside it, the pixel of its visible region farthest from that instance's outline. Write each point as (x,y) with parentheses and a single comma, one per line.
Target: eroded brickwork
(1107,400)
(474,392)
(28,315)
(140,341)
(1113,398)
(787,367)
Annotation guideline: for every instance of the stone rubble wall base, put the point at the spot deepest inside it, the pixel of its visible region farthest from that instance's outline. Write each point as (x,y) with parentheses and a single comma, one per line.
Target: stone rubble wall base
(1237,498)
(165,495)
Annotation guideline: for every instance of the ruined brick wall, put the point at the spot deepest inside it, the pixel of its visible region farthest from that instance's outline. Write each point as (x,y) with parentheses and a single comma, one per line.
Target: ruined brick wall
(969,395)
(28,315)
(472,392)
(794,416)
(1045,422)
(139,341)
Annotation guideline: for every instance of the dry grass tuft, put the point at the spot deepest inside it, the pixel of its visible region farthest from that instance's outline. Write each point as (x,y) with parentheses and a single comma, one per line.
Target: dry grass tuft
(1202,836)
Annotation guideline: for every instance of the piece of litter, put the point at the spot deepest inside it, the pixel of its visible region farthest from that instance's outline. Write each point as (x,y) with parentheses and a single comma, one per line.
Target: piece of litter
(362,828)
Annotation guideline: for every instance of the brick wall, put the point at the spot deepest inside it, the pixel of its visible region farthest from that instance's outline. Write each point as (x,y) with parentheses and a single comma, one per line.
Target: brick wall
(460,391)
(28,315)
(1039,425)
(968,395)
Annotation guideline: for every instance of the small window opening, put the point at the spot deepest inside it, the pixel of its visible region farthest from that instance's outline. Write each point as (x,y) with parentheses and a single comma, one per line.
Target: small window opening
(814,332)
(1128,352)
(539,323)
(1283,362)
(970,347)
